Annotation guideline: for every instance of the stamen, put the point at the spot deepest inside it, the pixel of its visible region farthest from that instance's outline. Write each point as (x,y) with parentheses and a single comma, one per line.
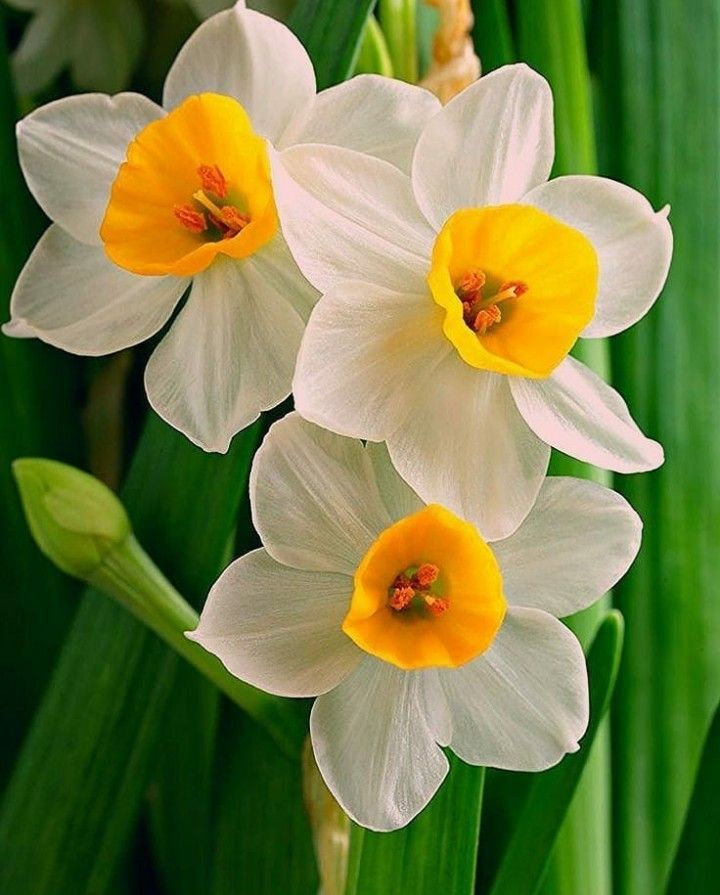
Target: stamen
(486,318)
(426,575)
(481,313)
(436,605)
(214,209)
(190,219)
(233,218)
(401,598)
(212,180)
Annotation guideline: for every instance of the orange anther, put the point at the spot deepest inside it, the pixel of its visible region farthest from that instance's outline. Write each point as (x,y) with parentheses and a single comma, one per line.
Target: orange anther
(233,219)
(436,605)
(190,218)
(486,318)
(471,283)
(426,575)
(401,598)
(212,180)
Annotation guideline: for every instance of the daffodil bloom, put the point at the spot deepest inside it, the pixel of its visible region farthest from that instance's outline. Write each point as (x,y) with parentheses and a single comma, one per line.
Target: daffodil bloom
(148,201)
(454,296)
(414,631)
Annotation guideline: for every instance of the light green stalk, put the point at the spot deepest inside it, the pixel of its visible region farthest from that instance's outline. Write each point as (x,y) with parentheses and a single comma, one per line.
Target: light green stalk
(374,57)
(398,20)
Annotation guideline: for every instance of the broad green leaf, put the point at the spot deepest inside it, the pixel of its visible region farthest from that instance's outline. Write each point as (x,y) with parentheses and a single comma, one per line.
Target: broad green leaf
(435,853)
(696,868)
(551,792)
(331,31)
(81,775)
(661,128)
(262,836)
(38,415)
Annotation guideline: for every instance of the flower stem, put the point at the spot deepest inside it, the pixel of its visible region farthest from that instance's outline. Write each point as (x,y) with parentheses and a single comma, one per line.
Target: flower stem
(130,576)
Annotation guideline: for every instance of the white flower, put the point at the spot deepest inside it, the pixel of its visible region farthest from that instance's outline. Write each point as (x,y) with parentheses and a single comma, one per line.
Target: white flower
(98,40)
(415,632)
(146,200)
(453,297)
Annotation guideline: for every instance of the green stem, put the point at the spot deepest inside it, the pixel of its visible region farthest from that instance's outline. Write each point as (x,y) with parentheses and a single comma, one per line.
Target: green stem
(374,57)
(130,576)
(398,19)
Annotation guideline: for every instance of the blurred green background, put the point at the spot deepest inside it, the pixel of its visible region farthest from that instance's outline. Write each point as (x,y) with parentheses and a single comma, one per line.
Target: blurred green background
(123,771)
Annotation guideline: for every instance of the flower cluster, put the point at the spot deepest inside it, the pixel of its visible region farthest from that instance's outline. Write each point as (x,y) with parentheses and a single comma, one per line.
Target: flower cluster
(409,272)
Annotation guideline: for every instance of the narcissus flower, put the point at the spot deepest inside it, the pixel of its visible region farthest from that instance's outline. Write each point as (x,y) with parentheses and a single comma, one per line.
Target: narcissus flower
(147,200)
(416,631)
(453,298)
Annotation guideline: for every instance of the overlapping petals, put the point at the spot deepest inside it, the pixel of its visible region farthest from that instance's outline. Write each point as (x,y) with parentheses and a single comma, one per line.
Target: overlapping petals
(319,500)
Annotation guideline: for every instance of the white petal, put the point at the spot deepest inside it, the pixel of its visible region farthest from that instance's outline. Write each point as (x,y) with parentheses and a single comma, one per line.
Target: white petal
(488,146)
(229,355)
(577,413)
(314,497)
(278,628)
(365,352)
(251,57)
(465,446)
(70,295)
(399,498)
(349,216)
(577,542)
(523,704)
(633,244)
(371,114)
(375,746)
(70,151)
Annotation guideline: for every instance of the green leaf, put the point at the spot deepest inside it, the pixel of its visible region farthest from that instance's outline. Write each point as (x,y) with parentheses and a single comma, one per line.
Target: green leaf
(262,838)
(81,775)
(435,853)
(696,867)
(551,792)
(494,42)
(38,415)
(331,31)
(660,130)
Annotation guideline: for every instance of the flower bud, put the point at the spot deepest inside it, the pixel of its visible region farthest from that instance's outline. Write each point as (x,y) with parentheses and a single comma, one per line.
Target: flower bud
(74,519)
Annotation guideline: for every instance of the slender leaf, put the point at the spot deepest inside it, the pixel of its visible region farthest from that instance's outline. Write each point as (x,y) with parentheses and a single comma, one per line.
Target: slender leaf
(551,792)
(437,852)
(397,18)
(696,867)
(658,62)
(83,770)
(493,39)
(331,31)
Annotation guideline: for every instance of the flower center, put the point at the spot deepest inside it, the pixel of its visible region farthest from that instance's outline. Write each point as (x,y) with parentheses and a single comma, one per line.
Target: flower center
(480,312)
(428,593)
(195,184)
(517,286)
(223,221)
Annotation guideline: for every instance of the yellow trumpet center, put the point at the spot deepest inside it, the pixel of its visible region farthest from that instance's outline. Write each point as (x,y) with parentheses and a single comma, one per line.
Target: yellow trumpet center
(195,184)
(428,593)
(517,286)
